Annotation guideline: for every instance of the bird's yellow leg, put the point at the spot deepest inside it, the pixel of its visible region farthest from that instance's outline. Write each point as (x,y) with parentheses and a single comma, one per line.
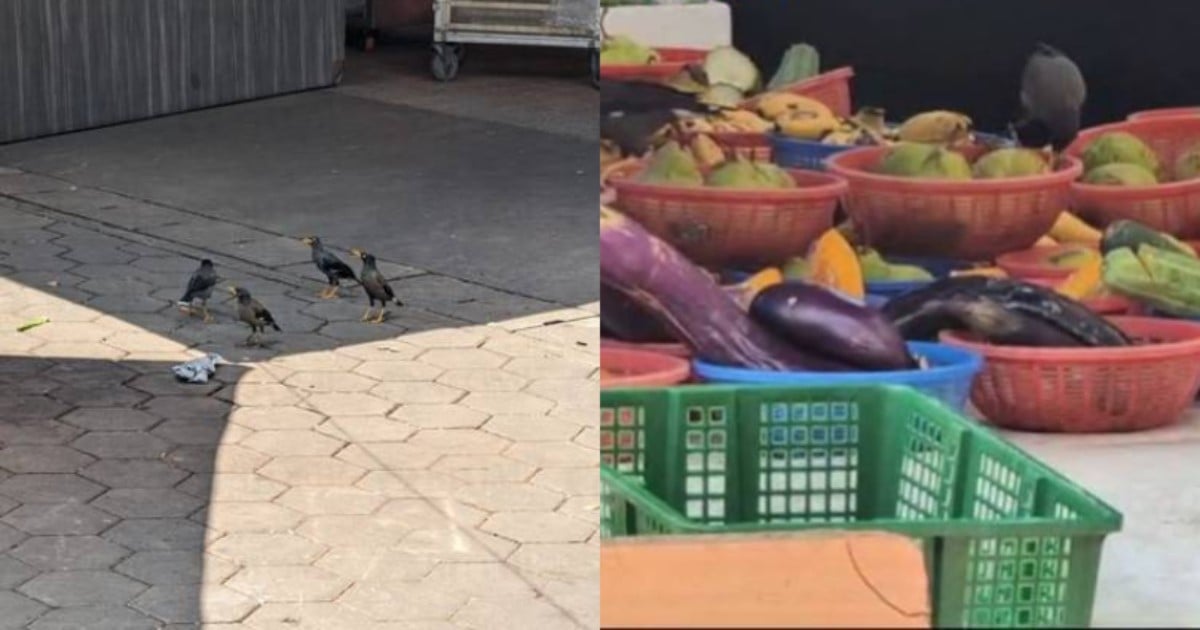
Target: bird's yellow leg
(367,315)
(208,318)
(379,318)
(325,293)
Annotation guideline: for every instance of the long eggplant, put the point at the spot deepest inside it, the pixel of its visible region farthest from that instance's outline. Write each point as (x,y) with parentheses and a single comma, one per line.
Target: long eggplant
(1028,315)
(692,305)
(819,320)
(623,319)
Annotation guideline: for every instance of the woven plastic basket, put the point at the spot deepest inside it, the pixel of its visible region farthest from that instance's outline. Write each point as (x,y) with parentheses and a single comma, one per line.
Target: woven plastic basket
(831,88)
(1172,207)
(1165,112)
(963,219)
(671,61)
(638,368)
(727,227)
(1087,390)
(755,147)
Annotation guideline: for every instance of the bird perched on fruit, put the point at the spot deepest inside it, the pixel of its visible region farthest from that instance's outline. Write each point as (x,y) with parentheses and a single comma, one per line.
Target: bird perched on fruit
(1052,96)
(632,113)
(376,287)
(254,314)
(200,287)
(330,265)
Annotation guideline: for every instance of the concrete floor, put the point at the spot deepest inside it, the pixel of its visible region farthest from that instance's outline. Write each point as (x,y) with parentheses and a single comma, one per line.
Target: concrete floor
(487,179)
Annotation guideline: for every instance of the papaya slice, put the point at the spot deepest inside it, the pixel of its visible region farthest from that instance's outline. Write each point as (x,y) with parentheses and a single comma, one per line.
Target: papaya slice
(833,264)
(1085,281)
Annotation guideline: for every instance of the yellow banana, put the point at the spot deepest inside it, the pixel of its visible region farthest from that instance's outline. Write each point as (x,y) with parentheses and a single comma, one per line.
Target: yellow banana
(777,104)
(706,150)
(937,127)
(805,126)
(1069,228)
(747,121)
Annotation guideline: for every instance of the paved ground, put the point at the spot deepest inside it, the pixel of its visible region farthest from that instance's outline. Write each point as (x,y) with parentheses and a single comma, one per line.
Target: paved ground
(489,179)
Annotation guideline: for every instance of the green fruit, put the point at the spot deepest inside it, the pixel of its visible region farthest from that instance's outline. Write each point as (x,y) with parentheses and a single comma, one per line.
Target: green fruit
(672,164)
(621,50)
(1120,175)
(1119,147)
(799,62)
(924,161)
(726,65)
(742,173)
(876,269)
(796,268)
(1187,164)
(1010,163)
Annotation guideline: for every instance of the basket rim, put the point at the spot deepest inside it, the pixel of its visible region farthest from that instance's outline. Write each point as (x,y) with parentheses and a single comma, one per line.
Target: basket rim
(676,349)
(959,362)
(1060,176)
(661,367)
(1021,264)
(660,66)
(824,186)
(1134,193)
(1164,112)
(1115,356)
(841,73)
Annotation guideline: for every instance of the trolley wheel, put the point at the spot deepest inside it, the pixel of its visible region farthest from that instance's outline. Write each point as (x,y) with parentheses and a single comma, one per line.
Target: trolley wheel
(444,64)
(460,51)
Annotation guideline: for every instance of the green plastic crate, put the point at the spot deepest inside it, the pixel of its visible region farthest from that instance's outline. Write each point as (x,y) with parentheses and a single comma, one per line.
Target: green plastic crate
(1009,542)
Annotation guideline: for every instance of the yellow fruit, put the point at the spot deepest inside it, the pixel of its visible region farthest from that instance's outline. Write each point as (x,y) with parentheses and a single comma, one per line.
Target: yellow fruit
(937,127)
(706,150)
(672,164)
(1045,241)
(806,126)
(911,159)
(1120,174)
(1013,162)
(1119,147)
(1069,228)
(746,120)
(774,105)
(1085,281)
(694,124)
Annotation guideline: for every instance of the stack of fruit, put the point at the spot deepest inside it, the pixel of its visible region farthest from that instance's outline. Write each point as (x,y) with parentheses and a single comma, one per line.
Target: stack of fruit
(674,165)
(1120,158)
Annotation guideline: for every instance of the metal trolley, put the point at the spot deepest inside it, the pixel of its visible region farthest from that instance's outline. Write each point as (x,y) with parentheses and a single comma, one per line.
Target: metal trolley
(556,23)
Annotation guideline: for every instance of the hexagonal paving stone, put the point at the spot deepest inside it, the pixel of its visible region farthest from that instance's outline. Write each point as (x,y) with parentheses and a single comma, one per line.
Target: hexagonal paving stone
(410,483)
(276,418)
(417,601)
(36,432)
(489,614)
(143,342)
(167,385)
(14,572)
(311,471)
(484,468)
(248,549)
(430,512)
(99,396)
(531,428)
(260,395)
(193,432)
(554,454)
(537,527)
(440,416)
(81,588)
(569,481)
(49,488)
(18,408)
(326,500)
(229,458)
(292,443)
(482,380)
(367,429)
(250,517)
(157,534)
(288,584)
(446,338)
(409,393)
(71,331)
(545,367)
(558,560)
(176,567)
(489,580)
(398,370)
(456,545)
(147,503)
(180,604)
(43,459)
(324,361)
(329,382)
(342,404)
(122,445)
(509,497)
(458,441)
(581,393)
(461,358)
(584,507)
(59,519)
(189,408)
(308,616)
(232,487)
(95,618)
(65,553)
(507,402)
(10,536)
(111,419)
(133,473)
(389,350)
(18,610)
(388,456)
(339,530)
(370,564)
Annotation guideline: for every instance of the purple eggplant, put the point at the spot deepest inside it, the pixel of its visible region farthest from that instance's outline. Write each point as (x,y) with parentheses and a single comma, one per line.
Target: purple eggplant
(691,304)
(623,319)
(828,324)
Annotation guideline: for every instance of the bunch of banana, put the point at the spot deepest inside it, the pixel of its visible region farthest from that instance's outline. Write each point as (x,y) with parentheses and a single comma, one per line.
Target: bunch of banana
(776,105)
(740,121)
(707,152)
(939,127)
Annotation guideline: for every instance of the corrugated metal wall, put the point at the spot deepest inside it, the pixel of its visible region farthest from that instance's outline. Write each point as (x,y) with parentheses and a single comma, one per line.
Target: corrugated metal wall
(72,64)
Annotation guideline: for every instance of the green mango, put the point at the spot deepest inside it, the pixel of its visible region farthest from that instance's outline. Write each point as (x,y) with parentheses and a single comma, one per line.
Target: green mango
(1119,147)
(799,62)
(1118,174)
(672,164)
(1010,162)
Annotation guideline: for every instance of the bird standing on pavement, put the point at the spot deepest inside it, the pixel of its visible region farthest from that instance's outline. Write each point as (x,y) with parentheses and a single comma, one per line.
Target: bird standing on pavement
(1052,96)
(200,287)
(330,265)
(254,314)
(376,287)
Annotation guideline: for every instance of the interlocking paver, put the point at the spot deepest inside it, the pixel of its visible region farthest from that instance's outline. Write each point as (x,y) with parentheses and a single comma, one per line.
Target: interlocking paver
(415,392)
(111,419)
(176,567)
(484,468)
(147,503)
(487,614)
(43,459)
(311,471)
(367,429)
(329,382)
(13,572)
(554,455)
(531,428)
(483,380)
(122,445)
(81,588)
(179,604)
(288,584)
(507,402)
(157,534)
(133,473)
(371,564)
(440,416)
(458,441)
(498,497)
(307,616)
(267,549)
(346,404)
(95,618)
(276,418)
(314,500)
(249,517)
(292,443)
(65,553)
(417,601)
(388,456)
(260,395)
(528,527)
(338,530)
(10,536)
(397,370)
(232,487)
(450,358)
(18,610)
(492,580)
(49,488)
(47,432)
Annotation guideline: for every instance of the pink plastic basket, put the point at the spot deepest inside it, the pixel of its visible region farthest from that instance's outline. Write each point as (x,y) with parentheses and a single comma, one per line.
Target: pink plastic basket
(672,60)
(831,88)
(1165,112)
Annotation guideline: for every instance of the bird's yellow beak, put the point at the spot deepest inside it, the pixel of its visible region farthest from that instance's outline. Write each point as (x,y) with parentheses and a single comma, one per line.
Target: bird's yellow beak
(354,251)
(232,289)
(307,240)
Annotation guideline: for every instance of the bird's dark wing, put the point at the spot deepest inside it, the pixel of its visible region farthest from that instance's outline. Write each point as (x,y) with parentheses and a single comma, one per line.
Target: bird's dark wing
(199,283)
(634,133)
(632,97)
(262,315)
(333,266)
(376,285)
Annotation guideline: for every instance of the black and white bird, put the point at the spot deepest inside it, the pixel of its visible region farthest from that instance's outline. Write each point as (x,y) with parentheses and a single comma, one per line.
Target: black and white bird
(254,314)
(376,287)
(330,265)
(1053,92)
(200,287)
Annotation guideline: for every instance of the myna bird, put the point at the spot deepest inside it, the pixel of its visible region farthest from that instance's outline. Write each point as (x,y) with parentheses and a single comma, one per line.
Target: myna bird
(376,287)
(330,265)
(200,287)
(1052,96)
(254,314)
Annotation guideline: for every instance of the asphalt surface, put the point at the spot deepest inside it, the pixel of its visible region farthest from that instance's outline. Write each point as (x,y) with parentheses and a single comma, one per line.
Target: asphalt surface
(481,193)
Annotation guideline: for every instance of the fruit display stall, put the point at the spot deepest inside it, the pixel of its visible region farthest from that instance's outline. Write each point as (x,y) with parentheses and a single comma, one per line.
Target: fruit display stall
(798,289)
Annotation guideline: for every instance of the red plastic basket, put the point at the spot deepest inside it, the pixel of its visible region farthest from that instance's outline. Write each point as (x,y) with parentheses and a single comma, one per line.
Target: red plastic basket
(637,368)
(1091,390)
(671,349)
(751,146)
(1102,305)
(1172,207)
(671,61)
(831,88)
(1165,112)
(726,227)
(970,220)
(1033,263)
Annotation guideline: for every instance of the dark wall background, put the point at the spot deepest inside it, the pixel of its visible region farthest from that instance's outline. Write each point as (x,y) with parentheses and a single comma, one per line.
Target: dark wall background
(967,55)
